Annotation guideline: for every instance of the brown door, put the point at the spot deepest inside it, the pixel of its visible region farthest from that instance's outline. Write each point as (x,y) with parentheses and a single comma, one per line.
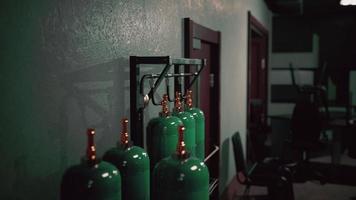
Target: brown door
(258,81)
(204,43)
(257,90)
(204,91)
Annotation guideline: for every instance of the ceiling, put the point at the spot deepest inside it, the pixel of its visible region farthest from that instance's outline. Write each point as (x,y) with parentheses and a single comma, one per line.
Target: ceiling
(309,7)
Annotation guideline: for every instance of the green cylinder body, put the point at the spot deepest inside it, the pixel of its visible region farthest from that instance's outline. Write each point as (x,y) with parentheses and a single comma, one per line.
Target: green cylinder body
(99,182)
(162,137)
(177,179)
(199,131)
(134,166)
(189,134)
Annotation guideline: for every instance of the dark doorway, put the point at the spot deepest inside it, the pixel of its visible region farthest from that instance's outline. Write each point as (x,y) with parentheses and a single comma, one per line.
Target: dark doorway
(202,42)
(257,89)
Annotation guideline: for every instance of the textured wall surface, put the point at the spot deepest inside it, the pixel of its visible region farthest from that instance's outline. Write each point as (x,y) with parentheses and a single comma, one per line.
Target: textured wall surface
(64,67)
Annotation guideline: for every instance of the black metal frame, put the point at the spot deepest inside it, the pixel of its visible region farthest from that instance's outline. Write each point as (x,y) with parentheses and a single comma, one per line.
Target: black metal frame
(139,100)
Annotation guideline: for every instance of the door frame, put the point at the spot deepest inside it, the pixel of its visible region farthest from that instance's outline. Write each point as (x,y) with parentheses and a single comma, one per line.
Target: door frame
(194,30)
(256,26)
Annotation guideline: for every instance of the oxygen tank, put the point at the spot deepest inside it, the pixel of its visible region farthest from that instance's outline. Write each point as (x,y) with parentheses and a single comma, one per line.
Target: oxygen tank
(199,125)
(92,179)
(188,122)
(181,176)
(162,134)
(133,164)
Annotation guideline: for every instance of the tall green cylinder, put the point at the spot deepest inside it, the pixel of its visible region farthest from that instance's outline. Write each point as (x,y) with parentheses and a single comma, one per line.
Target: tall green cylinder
(92,179)
(199,126)
(180,177)
(162,137)
(189,124)
(162,134)
(199,131)
(134,166)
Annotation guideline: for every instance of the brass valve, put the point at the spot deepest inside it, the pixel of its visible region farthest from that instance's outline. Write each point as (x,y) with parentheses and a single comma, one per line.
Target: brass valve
(189,99)
(177,104)
(91,151)
(165,108)
(181,151)
(124,133)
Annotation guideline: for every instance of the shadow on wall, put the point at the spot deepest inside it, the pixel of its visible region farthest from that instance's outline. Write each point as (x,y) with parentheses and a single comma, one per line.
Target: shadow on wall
(68,103)
(97,94)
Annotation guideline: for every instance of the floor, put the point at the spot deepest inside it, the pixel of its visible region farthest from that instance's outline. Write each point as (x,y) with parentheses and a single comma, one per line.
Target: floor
(312,190)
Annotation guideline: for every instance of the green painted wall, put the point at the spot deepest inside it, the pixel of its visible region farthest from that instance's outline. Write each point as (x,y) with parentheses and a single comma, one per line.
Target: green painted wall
(64,68)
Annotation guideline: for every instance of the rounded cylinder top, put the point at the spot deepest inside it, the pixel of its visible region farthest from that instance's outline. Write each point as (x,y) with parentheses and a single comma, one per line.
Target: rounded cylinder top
(92,179)
(196,112)
(101,181)
(164,125)
(133,158)
(180,172)
(190,173)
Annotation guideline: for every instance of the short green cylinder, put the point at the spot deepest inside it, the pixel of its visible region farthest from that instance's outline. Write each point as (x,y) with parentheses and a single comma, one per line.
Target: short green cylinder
(189,135)
(177,179)
(101,181)
(134,166)
(162,137)
(199,131)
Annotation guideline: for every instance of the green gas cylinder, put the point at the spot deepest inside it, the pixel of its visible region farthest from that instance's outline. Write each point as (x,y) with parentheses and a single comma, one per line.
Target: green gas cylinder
(199,125)
(92,179)
(162,134)
(188,122)
(180,176)
(134,166)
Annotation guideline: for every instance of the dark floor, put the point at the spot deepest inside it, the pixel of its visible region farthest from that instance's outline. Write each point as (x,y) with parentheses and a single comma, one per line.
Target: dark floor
(313,190)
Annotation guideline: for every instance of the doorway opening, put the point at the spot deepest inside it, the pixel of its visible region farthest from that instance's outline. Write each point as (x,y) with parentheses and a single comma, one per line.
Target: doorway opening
(257,90)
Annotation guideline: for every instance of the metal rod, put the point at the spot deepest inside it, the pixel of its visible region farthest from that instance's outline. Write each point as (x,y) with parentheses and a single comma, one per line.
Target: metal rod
(143,78)
(169,75)
(197,74)
(154,86)
(167,91)
(213,185)
(212,153)
(158,81)
(186,61)
(136,125)
(167,60)
(139,100)
(292,74)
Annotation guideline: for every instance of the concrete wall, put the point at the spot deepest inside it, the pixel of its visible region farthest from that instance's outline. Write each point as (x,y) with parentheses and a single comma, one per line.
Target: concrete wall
(64,67)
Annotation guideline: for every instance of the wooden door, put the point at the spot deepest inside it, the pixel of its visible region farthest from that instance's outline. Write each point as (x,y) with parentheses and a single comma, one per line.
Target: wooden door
(207,46)
(257,98)
(257,109)
(204,91)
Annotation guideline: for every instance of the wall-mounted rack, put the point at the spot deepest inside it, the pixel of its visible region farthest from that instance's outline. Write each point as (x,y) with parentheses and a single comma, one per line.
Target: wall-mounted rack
(139,99)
